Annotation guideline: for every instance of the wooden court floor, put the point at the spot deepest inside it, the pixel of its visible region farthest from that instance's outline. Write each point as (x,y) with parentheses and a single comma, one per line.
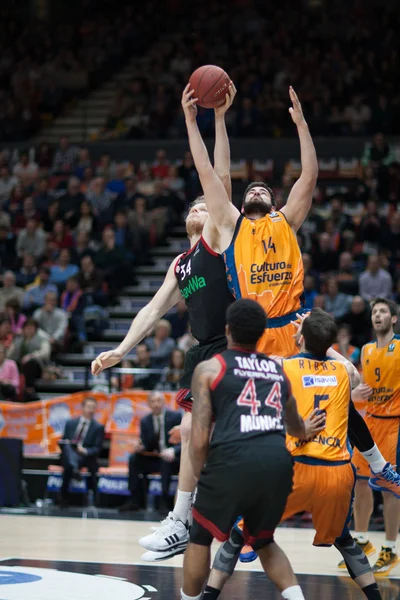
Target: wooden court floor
(51,558)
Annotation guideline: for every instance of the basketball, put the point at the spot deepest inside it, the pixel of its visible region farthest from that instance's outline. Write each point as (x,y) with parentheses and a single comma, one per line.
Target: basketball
(210,84)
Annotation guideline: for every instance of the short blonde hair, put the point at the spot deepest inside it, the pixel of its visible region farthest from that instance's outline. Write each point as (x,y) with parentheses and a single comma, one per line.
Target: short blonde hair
(164,323)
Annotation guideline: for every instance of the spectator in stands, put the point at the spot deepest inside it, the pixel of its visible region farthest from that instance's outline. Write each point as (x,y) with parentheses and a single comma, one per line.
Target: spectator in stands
(6,335)
(378,154)
(82,247)
(116,184)
(325,258)
(179,320)
(90,279)
(359,320)
(84,162)
(160,167)
(336,304)
(172,374)
(346,267)
(9,289)
(31,351)
(375,281)
(143,360)
(70,202)
(86,221)
(73,304)
(187,341)
(65,158)
(391,237)
(81,444)
(343,346)
(28,272)
(319,301)
(26,169)
(187,171)
(44,156)
(102,201)
(52,320)
(51,216)
(123,234)
(310,291)
(9,377)
(61,236)
(31,240)
(64,269)
(5,219)
(15,315)
(371,226)
(28,212)
(7,248)
(161,343)
(7,183)
(126,198)
(114,261)
(154,452)
(140,222)
(35,296)
(342,222)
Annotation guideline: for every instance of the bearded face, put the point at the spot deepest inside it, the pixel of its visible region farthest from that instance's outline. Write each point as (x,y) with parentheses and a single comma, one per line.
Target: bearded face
(257,202)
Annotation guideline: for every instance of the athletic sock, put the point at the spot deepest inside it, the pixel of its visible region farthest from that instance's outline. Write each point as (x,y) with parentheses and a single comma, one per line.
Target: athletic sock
(375,459)
(372,592)
(182,505)
(211,593)
(361,536)
(293,593)
(391,545)
(186,597)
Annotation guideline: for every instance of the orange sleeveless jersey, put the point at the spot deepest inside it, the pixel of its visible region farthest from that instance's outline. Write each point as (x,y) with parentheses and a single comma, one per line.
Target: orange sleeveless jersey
(322,384)
(381,371)
(264,263)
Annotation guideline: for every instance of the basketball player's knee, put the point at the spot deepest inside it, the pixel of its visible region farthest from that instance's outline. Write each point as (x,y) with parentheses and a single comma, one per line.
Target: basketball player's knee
(228,553)
(354,557)
(186,426)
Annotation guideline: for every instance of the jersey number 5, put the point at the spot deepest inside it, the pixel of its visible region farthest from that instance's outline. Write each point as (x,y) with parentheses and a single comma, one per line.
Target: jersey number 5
(248,397)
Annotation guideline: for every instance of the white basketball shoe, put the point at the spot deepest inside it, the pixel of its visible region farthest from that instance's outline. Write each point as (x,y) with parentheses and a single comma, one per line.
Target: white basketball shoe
(172,535)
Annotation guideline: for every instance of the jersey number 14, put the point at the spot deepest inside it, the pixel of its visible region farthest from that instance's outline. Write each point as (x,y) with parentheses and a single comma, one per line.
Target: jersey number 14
(248,397)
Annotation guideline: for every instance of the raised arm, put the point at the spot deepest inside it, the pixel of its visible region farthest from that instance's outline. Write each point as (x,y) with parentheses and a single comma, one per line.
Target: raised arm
(300,198)
(223,214)
(222,151)
(203,375)
(166,297)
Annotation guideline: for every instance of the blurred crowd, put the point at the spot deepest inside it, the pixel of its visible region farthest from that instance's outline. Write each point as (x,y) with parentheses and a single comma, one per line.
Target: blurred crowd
(73,230)
(346,77)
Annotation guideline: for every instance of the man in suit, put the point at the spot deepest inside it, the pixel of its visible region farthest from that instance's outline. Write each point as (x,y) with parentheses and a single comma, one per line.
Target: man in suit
(155,454)
(80,445)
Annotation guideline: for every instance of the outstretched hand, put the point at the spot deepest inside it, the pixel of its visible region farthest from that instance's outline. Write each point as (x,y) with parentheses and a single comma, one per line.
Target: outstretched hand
(189,104)
(296,112)
(229,98)
(299,324)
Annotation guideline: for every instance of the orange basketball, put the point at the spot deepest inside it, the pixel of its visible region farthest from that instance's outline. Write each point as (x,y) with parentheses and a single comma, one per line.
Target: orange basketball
(210,84)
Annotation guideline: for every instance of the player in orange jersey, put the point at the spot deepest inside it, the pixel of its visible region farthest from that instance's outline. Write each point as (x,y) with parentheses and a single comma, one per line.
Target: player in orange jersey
(381,372)
(262,256)
(323,475)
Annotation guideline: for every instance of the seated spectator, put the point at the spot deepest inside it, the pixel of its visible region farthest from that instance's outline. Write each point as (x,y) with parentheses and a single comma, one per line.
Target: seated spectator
(28,212)
(123,234)
(114,261)
(9,377)
(9,289)
(15,316)
(64,269)
(35,295)
(52,320)
(90,279)
(378,154)
(359,320)
(70,202)
(73,304)
(84,162)
(161,344)
(140,222)
(81,444)
(7,248)
(187,341)
(310,291)
(325,258)
(86,222)
(102,201)
(346,267)
(172,374)
(154,439)
(61,237)
(51,216)
(28,272)
(6,335)
(144,381)
(82,248)
(65,158)
(7,183)
(44,156)
(32,240)
(319,301)
(179,320)
(116,184)
(371,225)
(26,169)
(375,281)
(341,221)
(43,198)
(336,304)
(160,167)
(343,346)
(31,351)
(126,198)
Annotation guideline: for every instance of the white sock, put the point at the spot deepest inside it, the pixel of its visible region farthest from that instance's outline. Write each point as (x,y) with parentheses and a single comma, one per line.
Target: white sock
(390,544)
(293,593)
(182,505)
(361,536)
(375,459)
(186,597)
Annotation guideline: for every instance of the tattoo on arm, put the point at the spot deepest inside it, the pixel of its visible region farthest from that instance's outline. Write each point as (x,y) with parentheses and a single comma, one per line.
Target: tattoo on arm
(202,408)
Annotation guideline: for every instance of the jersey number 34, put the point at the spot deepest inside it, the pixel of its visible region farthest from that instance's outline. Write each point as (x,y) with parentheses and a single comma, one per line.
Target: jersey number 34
(248,397)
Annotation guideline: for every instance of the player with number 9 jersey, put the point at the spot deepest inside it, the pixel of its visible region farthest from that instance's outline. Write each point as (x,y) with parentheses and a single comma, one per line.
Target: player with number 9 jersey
(264,263)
